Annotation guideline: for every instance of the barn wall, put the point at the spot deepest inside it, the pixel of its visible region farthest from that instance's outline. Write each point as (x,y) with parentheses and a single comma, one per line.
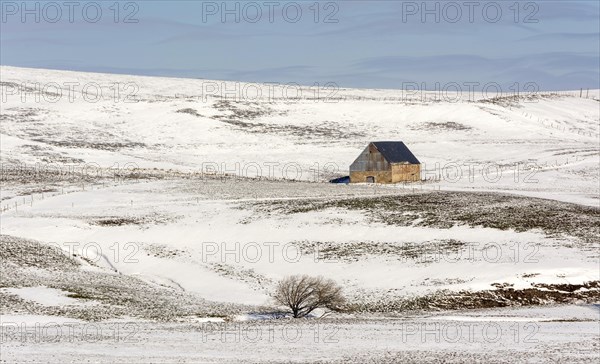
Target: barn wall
(380,176)
(406,173)
(399,173)
(370,160)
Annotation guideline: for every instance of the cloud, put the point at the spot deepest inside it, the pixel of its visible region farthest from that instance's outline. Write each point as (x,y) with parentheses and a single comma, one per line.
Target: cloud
(548,70)
(567,10)
(370,46)
(562,36)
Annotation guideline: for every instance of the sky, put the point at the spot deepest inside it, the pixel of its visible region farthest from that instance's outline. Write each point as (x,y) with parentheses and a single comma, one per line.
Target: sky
(511,45)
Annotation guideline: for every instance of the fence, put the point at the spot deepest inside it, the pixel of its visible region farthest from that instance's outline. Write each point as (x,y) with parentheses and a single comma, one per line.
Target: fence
(428,184)
(553,125)
(28,200)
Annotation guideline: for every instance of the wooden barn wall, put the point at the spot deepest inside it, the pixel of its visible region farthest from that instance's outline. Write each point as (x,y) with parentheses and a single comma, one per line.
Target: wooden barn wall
(370,160)
(380,176)
(398,173)
(406,172)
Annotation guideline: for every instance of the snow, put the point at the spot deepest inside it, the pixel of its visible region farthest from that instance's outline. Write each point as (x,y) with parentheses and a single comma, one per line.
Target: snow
(205,236)
(208,232)
(500,134)
(556,133)
(43,295)
(528,334)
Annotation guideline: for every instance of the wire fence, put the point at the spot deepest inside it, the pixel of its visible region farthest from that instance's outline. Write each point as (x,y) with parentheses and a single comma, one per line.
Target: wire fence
(431,179)
(28,200)
(553,124)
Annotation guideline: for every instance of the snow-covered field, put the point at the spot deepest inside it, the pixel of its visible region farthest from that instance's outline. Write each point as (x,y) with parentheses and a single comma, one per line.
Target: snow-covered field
(179,211)
(561,334)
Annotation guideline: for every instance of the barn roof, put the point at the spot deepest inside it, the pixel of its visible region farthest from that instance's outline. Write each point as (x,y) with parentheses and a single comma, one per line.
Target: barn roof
(396,152)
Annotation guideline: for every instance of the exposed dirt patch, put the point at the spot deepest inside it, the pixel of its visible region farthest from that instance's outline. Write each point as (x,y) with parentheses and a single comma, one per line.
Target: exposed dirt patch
(189,111)
(242,114)
(516,100)
(153,219)
(503,296)
(355,251)
(25,253)
(249,276)
(165,251)
(441,126)
(117,295)
(447,209)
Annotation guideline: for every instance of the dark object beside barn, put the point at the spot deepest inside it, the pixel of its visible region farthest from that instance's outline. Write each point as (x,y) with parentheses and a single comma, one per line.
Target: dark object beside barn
(385,162)
(345,179)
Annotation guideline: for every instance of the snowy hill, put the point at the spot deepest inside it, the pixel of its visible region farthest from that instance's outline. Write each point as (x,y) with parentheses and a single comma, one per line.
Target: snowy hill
(158,197)
(185,125)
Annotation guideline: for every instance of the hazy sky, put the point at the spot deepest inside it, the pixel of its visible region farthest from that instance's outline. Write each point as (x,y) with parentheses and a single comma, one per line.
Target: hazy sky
(375,44)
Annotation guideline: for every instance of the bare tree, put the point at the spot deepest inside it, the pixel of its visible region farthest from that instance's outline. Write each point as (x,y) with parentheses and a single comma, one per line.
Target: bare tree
(303,294)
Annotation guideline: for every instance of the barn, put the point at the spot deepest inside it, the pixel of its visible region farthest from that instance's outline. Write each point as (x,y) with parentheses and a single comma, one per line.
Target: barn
(385,162)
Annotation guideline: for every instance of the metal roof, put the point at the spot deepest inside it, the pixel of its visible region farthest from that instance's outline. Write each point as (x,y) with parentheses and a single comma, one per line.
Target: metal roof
(396,152)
